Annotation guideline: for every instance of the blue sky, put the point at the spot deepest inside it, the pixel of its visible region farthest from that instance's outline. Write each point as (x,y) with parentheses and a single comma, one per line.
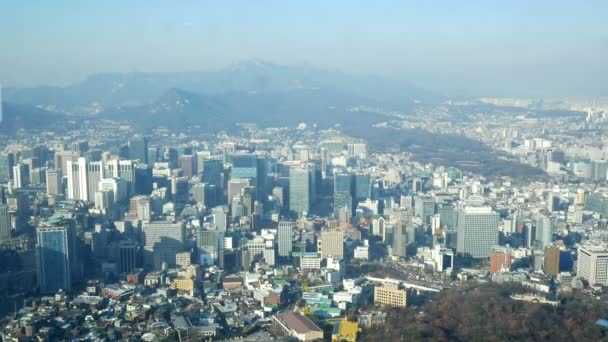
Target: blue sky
(501,48)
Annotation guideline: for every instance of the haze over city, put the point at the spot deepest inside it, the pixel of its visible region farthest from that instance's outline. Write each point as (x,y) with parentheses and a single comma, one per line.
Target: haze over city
(474,48)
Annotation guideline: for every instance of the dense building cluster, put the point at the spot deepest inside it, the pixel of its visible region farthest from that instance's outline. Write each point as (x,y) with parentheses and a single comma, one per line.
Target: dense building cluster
(110,233)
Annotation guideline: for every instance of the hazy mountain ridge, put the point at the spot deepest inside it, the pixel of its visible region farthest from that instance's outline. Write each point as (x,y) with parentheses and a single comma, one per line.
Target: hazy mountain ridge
(108,90)
(17,116)
(178,107)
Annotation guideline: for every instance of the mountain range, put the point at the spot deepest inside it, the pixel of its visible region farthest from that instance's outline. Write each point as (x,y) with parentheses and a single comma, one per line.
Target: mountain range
(252,91)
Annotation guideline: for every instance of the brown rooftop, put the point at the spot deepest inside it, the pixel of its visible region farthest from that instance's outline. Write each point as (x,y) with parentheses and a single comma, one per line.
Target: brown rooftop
(297,322)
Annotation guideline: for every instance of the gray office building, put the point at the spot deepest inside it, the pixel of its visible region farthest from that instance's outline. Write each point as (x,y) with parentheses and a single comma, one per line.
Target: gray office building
(284,238)
(301,189)
(477,231)
(5,223)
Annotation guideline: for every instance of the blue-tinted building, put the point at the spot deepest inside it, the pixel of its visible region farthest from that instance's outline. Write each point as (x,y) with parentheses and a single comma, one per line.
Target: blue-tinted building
(56,257)
(343,192)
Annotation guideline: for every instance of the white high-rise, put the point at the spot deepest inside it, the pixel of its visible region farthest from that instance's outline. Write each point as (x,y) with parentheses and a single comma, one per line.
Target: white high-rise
(117,186)
(592,264)
(78,189)
(123,169)
(95,173)
(544,231)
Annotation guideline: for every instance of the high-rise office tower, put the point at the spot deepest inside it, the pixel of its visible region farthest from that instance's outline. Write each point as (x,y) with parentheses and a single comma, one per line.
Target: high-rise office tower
(170,155)
(544,232)
(220,218)
(284,237)
(552,259)
(592,264)
(210,244)
(247,166)
(235,187)
(80,146)
(424,207)
(127,254)
(332,243)
(477,231)
(343,193)
(162,241)
(140,207)
(186,163)
(152,155)
(143,179)
(599,170)
(77,180)
(363,188)
(198,192)
(62,158)
(6,167)
(212,172)
(123,169)
(324,160)
(21,176)
(104,200)
(399,239)
(138,149)
(56,257)
(95,173)
(117,186)
(179,189)
(553,201)
(300,189)
(199,158)
(5,223)
(38,176)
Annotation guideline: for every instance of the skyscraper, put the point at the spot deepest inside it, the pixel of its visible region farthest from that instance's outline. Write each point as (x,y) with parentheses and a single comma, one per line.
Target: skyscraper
(56,257)
(6,167)
(123,169)
(62,158)
(210,244)
(186,163)
(77,180)
(5,223)
(399,240)
(152,155)
(95,173)
(138,149)
(343,192)
(21,176)
(212,171)
(552,258)
(477,231)
(284,236)
(300,189)
(544,232)
(424,207)
(127,256)
(143,179)
(220,218)
(363,187)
